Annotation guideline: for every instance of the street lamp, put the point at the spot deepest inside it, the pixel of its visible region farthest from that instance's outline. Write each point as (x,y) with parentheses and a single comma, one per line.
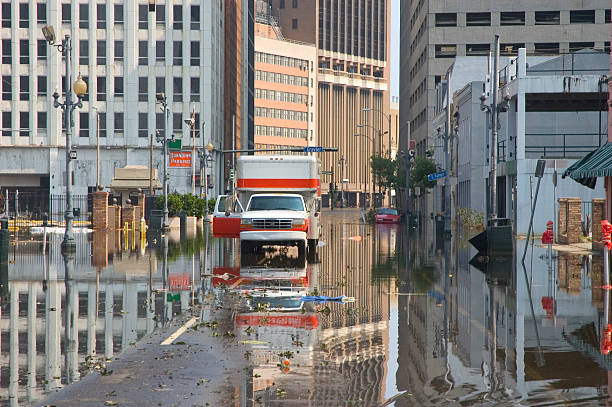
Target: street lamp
(191,122)
(163,102)
(341,165)
(380,134)
(388,117)
(205,157)
(98,185)
(68,106)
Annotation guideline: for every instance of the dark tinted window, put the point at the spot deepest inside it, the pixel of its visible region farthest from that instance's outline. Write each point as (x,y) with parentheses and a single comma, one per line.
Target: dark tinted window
(547,17)
(478,19)
(582,16)
(512,18)
(446,19)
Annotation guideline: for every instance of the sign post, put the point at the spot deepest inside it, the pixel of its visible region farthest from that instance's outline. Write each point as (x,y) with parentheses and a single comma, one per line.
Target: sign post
(437,175)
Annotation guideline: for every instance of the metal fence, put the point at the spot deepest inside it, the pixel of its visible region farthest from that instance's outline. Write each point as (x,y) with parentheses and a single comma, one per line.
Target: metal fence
(28,208)
(559,145)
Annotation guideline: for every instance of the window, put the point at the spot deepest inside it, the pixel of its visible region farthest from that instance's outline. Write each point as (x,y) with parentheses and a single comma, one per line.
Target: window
(143,89)
(118,86)
(66,13)
(195,17)
(582,16)
(83,124)
(7,87)
(24,88)
(142,53)
(160,51)
(446,51)
(101,88)
(547,48)
(177,122)
(160,123)
(160,14)
(119,124)
(577,46)
(607,47)
(195,89)
(41,49)
(41,13)
(6,123)
(83,52)
(512,18)
(547,18)
(101,16)
(143,22)
(178,53)
(119,19)
(118,50)
(195,53)
(510,49)
(143,124)
(608,17)
(478,19)
(160,85)
(178,89)
(446,19)
(24,124)
(178,17)
(282,4)
(294,23)
(41,119)
(101,124)
(7,57)
(477,49)
(101,52)
(83,15)
(42,86)
(24,15)
(24,52)
(86,95)
(6,15)
(295,3)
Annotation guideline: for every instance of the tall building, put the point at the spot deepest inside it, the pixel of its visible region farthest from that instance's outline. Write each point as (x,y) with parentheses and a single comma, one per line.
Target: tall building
(126,52)
(285,90)
(434,32)
(352,39)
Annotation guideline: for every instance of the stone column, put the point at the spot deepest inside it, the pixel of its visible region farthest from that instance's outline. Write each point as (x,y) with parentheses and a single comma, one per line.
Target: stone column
(100,210)
(574,220)
(598,207)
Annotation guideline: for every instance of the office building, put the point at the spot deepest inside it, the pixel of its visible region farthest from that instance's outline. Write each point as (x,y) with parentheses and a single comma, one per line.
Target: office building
(127,52)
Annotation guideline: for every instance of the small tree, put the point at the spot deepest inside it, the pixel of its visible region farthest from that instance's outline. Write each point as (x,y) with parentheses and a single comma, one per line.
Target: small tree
(421,168)
(388,173)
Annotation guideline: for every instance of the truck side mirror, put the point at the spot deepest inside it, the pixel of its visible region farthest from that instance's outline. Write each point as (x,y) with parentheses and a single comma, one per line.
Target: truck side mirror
(227,212)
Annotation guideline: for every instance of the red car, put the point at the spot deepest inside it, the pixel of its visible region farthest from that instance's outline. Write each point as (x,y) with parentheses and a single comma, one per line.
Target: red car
(387,215)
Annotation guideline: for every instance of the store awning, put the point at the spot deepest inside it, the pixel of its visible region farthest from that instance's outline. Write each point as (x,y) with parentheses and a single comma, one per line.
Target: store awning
(596,164)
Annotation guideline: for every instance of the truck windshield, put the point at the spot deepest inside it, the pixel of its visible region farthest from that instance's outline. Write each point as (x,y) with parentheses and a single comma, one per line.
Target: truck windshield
(271,203)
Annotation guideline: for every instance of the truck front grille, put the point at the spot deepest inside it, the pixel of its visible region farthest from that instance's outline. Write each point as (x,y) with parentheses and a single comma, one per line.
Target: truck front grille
(272,223)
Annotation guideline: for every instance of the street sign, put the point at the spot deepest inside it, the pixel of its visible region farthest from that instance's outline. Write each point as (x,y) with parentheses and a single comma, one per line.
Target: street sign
(175,144)
(437,175)
(180,159)
(313,149)
(73,155)
(411,153)
(412,145)
(327,173)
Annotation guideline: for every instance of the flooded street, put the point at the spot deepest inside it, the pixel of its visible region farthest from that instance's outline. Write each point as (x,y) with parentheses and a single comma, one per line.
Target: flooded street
(380,317)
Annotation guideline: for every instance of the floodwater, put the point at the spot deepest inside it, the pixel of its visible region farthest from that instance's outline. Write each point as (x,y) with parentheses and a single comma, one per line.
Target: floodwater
(425,327)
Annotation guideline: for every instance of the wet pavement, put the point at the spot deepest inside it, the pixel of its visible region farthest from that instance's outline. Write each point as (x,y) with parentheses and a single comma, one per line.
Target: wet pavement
(419,322)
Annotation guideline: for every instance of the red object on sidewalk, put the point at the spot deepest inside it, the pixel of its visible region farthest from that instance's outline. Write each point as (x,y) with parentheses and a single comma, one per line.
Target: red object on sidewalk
(548,237)
(606,341)
(606,230)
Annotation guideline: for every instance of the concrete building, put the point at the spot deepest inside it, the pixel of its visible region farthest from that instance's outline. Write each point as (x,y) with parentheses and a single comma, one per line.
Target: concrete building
(352,39)
(434,32)
(285,101)
(126,52)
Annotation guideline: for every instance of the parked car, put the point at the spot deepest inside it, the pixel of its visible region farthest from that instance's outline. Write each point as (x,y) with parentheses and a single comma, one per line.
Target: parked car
(387,215)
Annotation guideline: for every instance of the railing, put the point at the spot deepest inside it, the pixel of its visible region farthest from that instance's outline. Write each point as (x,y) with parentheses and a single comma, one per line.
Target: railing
(27,209)
(568,145)
(569,64)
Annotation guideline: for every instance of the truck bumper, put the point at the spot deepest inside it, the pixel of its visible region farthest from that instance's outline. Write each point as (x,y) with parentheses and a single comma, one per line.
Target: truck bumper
(273,235)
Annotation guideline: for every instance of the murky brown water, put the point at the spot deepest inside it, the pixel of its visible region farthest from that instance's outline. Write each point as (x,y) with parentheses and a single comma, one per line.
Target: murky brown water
(426,327)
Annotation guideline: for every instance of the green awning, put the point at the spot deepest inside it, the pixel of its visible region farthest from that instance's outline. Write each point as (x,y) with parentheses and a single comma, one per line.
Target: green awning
(595,164)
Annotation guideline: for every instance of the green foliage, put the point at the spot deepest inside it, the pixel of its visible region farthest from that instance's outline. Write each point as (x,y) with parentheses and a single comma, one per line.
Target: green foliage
(389,173)
(470,219)
(421,168)
(191,204)
(211,204)
(371,216)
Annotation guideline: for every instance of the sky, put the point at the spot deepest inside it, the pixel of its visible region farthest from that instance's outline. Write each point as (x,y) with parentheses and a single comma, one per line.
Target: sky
(395,36)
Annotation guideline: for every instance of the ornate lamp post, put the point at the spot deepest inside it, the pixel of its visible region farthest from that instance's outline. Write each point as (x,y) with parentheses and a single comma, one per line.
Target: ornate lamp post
(205,156)
(68,106)
(163,102)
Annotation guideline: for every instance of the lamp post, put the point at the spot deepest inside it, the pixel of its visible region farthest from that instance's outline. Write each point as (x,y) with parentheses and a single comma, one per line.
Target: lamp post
(68,106)
(388,117)
(191,122)
(373,143)
(163,102)
(341,165)
(205,156)
(97,147)
(380,134)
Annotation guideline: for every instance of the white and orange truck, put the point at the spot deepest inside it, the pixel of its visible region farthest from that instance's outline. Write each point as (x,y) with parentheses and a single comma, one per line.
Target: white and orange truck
(278,201)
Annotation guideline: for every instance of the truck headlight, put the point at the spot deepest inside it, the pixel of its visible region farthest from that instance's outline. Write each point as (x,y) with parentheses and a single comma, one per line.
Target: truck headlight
(299,223)
(246,222)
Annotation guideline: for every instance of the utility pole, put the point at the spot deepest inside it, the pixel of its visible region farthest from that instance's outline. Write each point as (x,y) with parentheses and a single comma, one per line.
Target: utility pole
(163,101)
(447,135)
(193,153)
(233,152)
(151,167)
(341,163)
(493,163)
(97,147)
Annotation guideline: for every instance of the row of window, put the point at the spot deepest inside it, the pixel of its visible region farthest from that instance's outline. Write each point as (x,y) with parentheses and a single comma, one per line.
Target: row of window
(518,18)
(101,88)
(281,96)
(279,148)
(101,57)
(280,132)
(548,48)
(83,15)
(281,114)
(178,124)
(281,78)
(281,60)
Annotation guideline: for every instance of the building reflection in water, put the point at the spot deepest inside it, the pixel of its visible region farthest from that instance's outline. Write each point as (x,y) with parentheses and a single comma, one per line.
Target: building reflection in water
(104,297)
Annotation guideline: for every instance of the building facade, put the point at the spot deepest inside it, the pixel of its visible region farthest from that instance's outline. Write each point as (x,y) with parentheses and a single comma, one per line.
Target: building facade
(127,52)
(352,40)
(434,32)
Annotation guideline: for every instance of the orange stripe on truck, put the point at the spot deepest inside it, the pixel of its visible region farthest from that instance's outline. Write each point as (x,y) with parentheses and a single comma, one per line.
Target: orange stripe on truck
(276,183)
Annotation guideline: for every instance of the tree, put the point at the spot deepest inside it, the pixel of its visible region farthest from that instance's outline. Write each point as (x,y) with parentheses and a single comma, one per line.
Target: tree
(421,168)
(388,173)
